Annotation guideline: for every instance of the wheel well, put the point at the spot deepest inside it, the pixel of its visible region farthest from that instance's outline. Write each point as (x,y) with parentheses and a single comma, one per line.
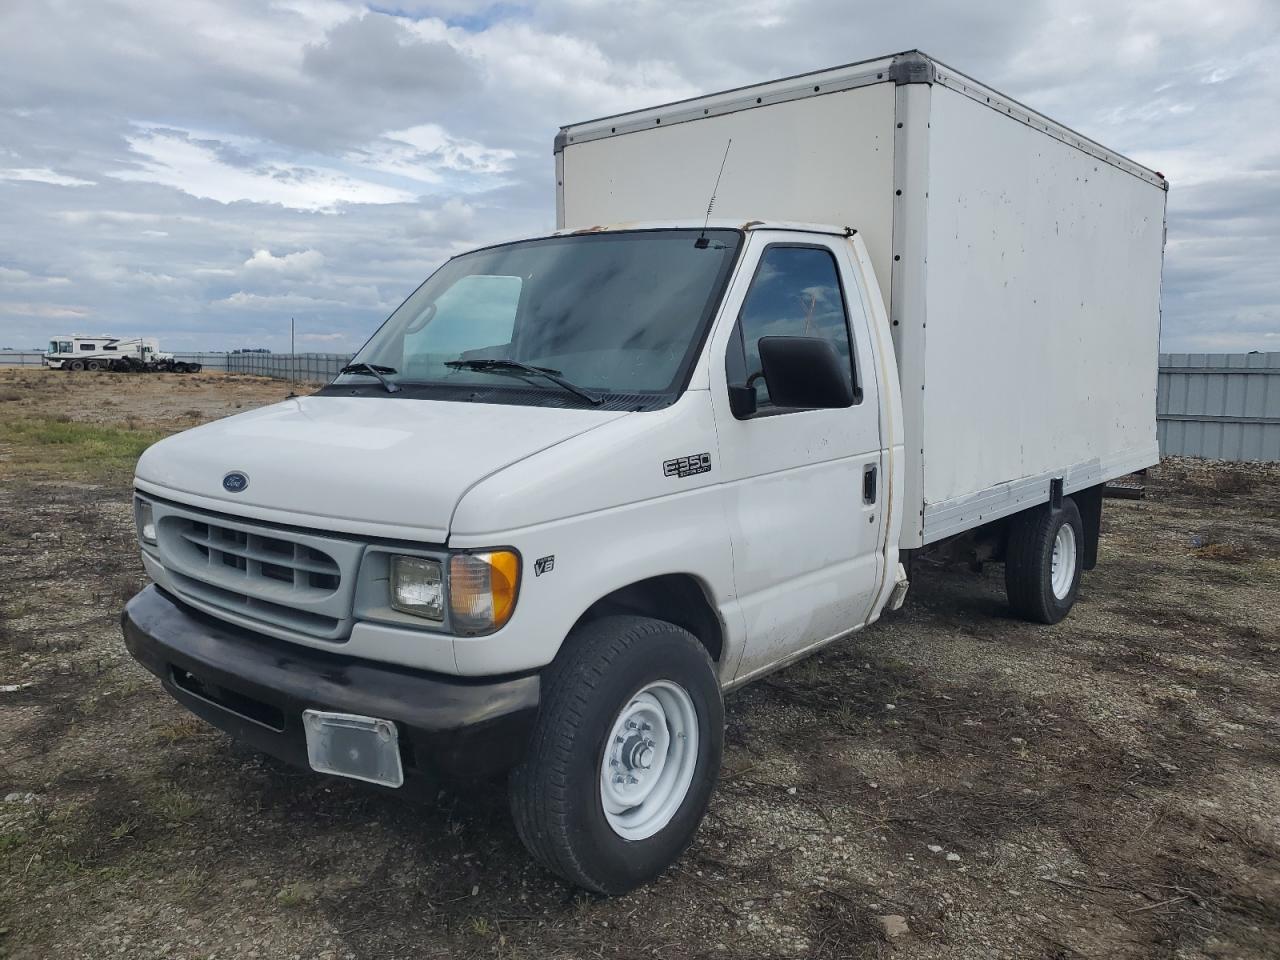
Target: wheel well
(675,597)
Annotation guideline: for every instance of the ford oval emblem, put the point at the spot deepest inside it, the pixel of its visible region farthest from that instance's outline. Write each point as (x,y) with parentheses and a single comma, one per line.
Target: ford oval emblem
(235,482)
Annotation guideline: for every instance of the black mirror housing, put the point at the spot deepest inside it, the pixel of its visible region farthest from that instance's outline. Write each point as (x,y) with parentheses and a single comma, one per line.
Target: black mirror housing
(805,372)
(742,401)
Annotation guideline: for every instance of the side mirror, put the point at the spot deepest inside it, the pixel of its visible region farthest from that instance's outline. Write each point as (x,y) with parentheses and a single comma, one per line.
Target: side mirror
(805,372)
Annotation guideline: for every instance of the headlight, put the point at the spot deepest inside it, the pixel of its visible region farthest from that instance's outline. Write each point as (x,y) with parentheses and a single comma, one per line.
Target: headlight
(144,518)
(482,590)
(417,587)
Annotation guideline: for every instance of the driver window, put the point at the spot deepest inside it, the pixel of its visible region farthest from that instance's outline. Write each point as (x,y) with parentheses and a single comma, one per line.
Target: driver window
(795,293)
(473,318)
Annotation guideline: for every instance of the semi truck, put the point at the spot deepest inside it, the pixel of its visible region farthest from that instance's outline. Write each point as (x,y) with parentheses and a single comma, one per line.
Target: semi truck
(75,352)
(579,487)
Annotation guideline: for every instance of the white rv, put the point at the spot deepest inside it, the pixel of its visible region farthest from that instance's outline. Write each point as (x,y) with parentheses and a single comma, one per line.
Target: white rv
(132,354)
(580,486)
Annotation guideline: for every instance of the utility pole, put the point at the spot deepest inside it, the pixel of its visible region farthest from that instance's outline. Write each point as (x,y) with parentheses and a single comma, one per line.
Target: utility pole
(293,357)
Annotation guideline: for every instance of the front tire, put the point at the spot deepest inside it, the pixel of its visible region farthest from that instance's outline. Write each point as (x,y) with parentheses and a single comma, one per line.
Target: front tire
(1043,562)
(631,711)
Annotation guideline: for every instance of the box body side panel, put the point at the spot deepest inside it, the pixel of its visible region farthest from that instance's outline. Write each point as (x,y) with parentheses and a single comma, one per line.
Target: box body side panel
(1043,303)
(822,159)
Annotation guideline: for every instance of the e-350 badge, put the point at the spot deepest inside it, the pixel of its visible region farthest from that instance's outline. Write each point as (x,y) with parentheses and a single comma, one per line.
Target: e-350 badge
(687,466)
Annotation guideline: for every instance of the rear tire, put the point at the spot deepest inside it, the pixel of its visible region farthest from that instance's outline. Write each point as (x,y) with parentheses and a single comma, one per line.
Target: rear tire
(655,683)
(1043,562)
(94,366)
(76,365)
(193,368)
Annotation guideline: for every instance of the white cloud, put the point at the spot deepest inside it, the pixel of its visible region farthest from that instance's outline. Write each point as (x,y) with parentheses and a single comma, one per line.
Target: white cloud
(258,301)
(9,277)
(184,165)
(426,152)
(44,175)
(173,159)
(43,311)
(299,263)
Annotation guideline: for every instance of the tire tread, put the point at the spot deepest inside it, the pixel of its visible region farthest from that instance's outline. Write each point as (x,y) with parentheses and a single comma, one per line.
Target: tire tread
(1030,541)
(539,788)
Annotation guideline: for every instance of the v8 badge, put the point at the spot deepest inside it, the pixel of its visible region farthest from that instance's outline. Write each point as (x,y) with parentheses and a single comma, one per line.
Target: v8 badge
(544,565)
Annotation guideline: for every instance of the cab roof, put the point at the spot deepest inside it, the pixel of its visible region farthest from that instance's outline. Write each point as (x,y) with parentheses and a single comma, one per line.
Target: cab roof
(719,223)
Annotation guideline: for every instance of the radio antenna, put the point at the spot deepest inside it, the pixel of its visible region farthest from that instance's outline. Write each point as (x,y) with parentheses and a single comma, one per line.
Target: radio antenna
(701,243)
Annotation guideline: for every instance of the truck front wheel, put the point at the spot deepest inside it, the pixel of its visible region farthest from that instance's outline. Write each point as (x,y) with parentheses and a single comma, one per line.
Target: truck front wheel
(1043,561)
(624,756)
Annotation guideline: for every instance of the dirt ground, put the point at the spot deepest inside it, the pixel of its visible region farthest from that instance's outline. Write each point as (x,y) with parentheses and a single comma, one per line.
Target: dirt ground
(1104,788)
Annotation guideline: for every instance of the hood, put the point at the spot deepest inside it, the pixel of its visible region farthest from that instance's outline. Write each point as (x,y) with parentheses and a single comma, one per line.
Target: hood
(384,467)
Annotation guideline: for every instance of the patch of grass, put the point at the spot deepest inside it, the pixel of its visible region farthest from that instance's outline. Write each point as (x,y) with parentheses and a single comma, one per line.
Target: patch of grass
(62,447)
(1214,543)
(175,805)
(18,610)
(295,894)
(188,728)
(123,831)
(1224,552)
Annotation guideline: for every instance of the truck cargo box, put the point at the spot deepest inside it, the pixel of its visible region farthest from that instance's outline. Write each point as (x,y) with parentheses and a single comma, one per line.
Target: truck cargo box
(1020,261)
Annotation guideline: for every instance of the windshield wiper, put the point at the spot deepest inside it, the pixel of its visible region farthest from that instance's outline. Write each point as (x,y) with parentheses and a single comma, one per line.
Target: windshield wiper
(515,366)
(373,370)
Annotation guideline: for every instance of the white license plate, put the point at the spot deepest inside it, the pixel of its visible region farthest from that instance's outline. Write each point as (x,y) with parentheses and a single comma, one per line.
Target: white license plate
(346,745)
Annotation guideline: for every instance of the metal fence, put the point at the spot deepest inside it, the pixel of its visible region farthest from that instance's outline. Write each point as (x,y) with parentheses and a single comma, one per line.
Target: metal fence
(312,367)
(1223,406)
(18,358)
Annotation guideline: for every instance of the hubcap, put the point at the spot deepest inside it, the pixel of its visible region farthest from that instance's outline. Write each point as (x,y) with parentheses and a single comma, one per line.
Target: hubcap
(649,760)
(1063,564)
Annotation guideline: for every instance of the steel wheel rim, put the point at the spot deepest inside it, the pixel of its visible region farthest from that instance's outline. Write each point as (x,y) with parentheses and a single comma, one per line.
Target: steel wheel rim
(649,760)
(1063,563)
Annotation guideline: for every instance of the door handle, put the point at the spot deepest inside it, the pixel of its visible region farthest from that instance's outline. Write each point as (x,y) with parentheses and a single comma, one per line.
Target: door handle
(869,483)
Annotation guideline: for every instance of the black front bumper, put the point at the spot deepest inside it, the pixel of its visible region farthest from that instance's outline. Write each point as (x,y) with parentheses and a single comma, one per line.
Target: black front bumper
(256,687)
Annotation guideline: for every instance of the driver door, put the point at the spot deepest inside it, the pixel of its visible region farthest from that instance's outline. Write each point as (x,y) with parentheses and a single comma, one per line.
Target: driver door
(802,487)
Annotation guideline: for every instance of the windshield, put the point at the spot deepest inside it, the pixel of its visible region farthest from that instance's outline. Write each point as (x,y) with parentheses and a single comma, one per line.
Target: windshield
(615,313)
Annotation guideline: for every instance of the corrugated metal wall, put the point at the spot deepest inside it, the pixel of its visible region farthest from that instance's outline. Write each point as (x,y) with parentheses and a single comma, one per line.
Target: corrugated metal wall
(1224,406)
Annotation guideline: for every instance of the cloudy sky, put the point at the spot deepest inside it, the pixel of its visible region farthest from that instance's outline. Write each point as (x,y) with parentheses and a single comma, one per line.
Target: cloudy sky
(202,170)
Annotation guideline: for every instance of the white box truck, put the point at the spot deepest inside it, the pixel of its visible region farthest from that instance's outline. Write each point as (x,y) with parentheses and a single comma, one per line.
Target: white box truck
(578,487)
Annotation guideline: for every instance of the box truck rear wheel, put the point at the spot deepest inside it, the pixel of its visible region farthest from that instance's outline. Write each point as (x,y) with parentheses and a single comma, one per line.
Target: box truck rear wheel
(1043,561)
(624,755)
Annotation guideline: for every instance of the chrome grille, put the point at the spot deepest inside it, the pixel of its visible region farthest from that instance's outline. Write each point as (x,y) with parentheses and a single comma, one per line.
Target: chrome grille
(279,580)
